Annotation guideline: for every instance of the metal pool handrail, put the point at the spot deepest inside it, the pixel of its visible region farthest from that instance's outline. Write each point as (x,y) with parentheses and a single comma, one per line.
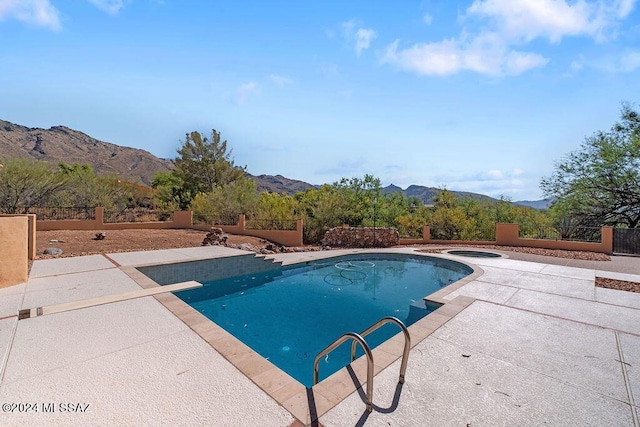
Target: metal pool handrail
(407,342)
(359,338)
(355,337)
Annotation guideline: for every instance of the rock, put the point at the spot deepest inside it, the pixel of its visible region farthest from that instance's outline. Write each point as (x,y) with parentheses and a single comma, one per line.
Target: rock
(53,251)
(249,247)
(215,237)
(100,236)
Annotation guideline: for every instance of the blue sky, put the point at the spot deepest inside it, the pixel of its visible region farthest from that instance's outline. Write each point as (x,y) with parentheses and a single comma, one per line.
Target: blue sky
(479,96)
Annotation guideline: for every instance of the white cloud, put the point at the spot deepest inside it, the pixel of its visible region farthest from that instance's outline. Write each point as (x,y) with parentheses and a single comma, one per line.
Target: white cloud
(361,37)
(530,19)
(245,91)
(494,182)
(526,20)
(625,7)
(451,56)
(112,7)
(519,62)
(347,29)
(576,66)
(427,19)
(494,32)
(494,174)
(40,13)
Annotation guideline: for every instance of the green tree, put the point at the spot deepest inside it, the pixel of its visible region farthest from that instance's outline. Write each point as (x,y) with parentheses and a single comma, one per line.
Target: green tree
(449,221)
(223,205)
(205,164)
(172,194)
(321,209)
(86,188)
(25,183)
(82,188)
(358,197)
(277,211)
(599,184)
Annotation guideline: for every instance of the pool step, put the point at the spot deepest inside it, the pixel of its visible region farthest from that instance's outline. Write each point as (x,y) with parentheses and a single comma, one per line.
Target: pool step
(268,258)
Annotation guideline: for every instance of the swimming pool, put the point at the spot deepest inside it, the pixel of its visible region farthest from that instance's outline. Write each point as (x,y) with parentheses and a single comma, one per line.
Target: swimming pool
(291,314)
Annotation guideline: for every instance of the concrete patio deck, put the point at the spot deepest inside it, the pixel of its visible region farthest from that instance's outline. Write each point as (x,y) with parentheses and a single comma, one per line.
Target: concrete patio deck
(539,345)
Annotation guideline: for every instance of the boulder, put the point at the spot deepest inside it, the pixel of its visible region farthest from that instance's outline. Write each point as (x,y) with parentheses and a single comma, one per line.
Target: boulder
(53,251)
(215,237)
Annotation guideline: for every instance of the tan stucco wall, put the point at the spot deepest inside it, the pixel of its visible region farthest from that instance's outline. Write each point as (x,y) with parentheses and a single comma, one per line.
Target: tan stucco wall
(14,250)
(182,220)
(508,235)
(284,237)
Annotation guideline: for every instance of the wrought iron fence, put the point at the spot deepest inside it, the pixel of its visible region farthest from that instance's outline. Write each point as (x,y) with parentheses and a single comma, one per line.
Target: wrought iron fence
(576,234)
(410,232)
(201,218)
(137,215)
(626,241)
(270,224)
(59,213)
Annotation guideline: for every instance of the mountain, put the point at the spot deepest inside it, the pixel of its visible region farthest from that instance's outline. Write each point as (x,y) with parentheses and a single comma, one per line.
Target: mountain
(279,184)
(61,144)
(428,194)
(536,204)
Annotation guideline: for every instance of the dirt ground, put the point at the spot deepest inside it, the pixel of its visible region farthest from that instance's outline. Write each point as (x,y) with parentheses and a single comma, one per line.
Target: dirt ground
(76,243)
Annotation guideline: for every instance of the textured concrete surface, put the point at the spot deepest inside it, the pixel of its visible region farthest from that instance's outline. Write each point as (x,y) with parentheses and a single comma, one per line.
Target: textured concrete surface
(592,312)
(445,388)
(76,287)
(51,267)
(615,297)
(542,344)
(176,379)
(539,346)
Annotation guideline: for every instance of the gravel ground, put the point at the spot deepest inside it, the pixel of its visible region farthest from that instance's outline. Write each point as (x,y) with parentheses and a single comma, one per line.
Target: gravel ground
(76,243)
(620,285)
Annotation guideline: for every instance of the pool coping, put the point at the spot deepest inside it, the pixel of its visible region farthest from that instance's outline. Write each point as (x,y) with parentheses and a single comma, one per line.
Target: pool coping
(307,405)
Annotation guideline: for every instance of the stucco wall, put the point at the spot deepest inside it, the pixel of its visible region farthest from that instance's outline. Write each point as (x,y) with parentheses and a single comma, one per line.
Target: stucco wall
(181,219)
(508,235)
(14,250)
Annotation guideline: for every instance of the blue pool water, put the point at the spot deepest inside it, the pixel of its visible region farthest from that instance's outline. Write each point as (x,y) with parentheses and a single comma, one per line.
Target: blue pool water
(289,315)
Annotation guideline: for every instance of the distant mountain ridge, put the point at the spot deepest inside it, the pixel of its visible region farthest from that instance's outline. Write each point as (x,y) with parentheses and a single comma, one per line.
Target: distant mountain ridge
(62,144)
(279,184)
